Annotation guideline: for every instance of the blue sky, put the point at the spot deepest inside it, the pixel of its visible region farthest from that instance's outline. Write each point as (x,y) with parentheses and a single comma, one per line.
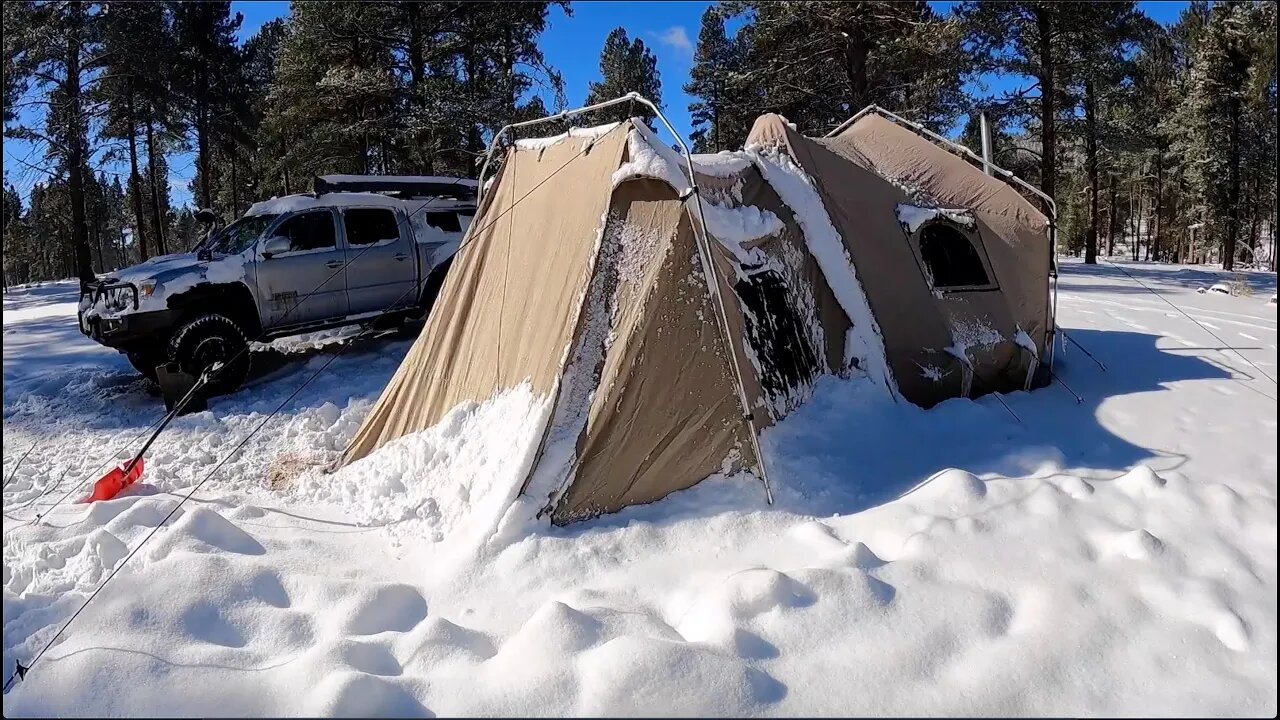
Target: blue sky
(571,45)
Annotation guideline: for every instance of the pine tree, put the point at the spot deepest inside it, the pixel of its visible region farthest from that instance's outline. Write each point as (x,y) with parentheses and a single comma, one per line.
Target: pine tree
(206,80)
(1214,109)
(13,237)
(333,84)
(15,81)
(719,117)
(818,63)
(1097,67)
(262,151)
(1030,38)
(626,65)
(135,89)
(58,46)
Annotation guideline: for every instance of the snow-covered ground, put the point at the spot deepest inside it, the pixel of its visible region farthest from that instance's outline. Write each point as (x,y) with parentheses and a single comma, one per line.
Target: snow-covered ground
(1111,557)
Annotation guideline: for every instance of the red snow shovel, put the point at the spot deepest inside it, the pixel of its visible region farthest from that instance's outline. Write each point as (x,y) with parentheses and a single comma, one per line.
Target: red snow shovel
(119,478)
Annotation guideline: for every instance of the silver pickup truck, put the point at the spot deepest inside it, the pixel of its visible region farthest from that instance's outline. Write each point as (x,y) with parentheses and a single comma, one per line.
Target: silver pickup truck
(354,250)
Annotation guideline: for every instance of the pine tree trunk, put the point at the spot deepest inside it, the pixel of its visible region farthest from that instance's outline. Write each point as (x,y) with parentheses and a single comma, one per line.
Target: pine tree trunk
(1272,237)
(97,238)
(235,188)
(1251,202)
(1135,206)
(1048,160)
(1091,161)
(417,71)
(1233,187)
(715,117)
(1111,217)
(157,222)
(76,155)
(135,180)
(855,68)
(202,155)
(1159,207)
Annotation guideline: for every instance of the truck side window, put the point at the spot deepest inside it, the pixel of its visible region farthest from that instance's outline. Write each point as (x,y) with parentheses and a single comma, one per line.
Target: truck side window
(366,226)
(446,221)
(309,231)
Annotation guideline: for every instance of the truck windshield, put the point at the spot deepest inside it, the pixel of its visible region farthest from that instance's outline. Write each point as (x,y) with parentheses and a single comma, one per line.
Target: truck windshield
(241,234)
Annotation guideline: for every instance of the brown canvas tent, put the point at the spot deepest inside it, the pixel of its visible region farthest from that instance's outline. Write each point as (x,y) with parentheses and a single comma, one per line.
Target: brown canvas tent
(955,263)
(669,315)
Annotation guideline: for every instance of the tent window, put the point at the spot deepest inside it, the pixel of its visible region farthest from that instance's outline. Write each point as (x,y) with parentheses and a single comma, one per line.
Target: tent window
(951,258)
(446,221)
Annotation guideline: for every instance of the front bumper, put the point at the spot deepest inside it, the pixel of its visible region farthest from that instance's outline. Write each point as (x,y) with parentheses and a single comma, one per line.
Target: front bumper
(126,329)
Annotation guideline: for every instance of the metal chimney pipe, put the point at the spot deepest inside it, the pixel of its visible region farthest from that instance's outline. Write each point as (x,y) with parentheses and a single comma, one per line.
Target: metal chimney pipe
(985,129)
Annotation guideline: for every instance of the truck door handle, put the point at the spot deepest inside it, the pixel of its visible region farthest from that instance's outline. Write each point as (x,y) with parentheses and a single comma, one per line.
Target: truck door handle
(400,256)
(334,264)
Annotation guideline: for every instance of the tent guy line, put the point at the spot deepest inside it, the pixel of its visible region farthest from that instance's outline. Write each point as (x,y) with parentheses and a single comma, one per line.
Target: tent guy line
(1197,322)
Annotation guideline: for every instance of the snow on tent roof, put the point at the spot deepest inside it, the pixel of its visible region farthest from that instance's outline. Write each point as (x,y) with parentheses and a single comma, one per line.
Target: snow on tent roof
(405,185)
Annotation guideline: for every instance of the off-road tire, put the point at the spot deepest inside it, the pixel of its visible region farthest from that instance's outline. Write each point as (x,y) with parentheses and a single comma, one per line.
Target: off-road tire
(145,360)
(208,339)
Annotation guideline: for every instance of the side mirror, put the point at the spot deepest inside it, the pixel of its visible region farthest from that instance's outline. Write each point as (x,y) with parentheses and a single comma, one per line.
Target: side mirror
(275,245)
(206,216)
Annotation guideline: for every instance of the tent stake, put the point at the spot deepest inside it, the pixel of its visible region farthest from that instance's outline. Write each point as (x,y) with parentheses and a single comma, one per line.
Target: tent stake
(1054,375)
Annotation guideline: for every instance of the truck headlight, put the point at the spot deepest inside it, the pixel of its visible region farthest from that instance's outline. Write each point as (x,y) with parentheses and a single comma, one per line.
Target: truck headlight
(146,287)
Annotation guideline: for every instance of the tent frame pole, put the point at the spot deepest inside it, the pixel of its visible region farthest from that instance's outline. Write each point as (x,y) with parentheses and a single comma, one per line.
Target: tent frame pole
(994,170)
(702,244)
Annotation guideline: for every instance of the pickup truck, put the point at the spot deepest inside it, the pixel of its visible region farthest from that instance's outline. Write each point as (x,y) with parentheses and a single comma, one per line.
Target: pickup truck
(357,249)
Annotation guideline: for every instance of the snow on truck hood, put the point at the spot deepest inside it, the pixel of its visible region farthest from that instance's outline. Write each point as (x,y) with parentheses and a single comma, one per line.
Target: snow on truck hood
(178,273)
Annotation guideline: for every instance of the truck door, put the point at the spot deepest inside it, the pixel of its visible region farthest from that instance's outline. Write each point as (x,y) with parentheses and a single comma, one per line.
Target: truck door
(381,270)
(306,283)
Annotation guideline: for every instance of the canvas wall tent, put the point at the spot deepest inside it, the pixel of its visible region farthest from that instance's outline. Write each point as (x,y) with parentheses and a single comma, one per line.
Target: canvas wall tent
(955,263)
(585,276)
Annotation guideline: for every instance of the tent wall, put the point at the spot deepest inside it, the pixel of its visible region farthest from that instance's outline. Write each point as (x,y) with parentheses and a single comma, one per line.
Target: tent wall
(1016,235)
(790,325)
(510,303)
(665,413)
(924,329)
(861,207)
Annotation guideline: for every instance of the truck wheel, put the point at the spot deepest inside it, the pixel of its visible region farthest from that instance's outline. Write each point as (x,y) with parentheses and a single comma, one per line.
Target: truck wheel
(209,339)
(145,360)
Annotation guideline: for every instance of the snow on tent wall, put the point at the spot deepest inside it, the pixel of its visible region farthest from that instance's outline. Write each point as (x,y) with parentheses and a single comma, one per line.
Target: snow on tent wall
(773,296)
(864,343)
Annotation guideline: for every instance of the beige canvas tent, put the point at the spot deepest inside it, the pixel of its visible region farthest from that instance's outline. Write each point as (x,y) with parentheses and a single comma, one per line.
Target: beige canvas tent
(954,262)
(669,308)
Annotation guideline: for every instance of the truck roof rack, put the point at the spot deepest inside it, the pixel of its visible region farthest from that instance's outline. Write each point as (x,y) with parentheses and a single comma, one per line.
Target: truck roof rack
(402,186)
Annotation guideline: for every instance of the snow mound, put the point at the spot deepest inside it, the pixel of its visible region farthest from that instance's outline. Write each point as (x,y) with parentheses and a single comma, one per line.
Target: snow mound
(1141,481)
(455,479)
(950,487)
